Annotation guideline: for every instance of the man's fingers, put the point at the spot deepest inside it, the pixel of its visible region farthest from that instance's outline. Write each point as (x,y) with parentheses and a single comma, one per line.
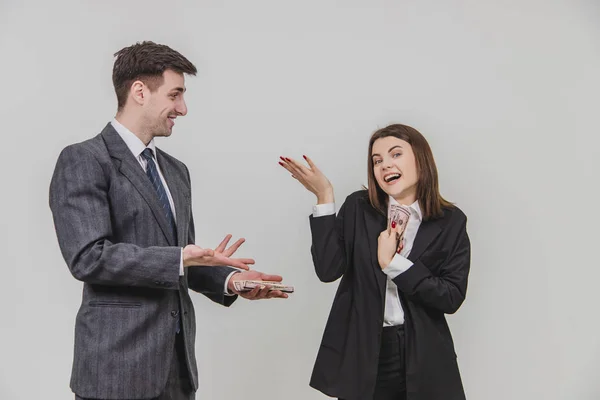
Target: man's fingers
(223,244)
(251,294)
(198,252)
(264,292)
(277,294)
(236,263)
(233,248)
(256,293)
(273,278)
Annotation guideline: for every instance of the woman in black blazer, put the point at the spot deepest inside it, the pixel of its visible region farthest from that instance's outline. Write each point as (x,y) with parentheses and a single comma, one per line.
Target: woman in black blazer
(386,336)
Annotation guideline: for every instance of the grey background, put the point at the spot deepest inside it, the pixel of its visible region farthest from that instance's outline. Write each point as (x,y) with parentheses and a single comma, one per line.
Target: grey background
(505,92)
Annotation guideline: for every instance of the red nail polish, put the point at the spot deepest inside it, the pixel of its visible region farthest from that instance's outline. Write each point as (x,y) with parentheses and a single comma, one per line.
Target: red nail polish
(280,163)
(393,224)
(399,251)
(304,157)
(283,159)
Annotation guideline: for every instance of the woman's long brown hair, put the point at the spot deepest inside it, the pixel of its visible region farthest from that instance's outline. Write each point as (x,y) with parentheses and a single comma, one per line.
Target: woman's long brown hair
(428,193)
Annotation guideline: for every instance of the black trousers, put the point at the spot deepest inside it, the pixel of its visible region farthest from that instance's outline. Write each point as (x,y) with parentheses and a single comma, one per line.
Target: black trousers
(391,370)
(178,385)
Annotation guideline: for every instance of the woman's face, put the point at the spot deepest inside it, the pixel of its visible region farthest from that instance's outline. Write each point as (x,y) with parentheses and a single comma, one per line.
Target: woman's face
(395,169)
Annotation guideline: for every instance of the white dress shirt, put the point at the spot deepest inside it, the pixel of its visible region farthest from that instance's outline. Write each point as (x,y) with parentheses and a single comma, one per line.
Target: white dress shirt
(393,314)
(137,147)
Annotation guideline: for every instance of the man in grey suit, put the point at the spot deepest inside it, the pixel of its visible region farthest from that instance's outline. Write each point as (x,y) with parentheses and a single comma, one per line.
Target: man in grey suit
(122,211)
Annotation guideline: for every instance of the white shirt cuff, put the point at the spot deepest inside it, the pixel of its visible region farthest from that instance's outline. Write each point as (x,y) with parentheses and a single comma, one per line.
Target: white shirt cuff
(320,210)
(398,265)
(226,290)
(181,263)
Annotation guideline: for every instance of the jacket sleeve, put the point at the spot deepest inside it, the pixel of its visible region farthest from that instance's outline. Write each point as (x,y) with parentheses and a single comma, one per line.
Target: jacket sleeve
(328,247)
(82,218)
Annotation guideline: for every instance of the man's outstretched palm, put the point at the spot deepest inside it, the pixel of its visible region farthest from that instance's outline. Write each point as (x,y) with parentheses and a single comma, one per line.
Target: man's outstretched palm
(221,256)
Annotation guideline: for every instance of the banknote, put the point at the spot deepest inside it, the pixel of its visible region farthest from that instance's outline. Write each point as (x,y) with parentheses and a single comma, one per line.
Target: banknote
(399,214)
(247,285)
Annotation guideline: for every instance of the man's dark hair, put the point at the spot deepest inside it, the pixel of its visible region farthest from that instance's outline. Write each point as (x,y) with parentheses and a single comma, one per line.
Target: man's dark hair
(146,62)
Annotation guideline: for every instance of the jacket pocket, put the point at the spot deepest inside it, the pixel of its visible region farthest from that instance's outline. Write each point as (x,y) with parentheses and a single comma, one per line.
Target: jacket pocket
(119,304)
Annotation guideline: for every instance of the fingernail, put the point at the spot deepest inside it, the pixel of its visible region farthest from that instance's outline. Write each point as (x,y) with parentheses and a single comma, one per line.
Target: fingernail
(282,158)
(280,163)
(304,157)
(393,224)
(287,159)
(399,251)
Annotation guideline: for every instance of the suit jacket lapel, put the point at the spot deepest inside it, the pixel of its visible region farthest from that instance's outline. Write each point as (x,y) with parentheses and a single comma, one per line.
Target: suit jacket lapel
(428,231)
(136,175)
(375,224)
(176,186)
(182,204)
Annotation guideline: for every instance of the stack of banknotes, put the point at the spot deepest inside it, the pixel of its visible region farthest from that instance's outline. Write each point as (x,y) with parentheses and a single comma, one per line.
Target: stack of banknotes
(399,214)
(247,285)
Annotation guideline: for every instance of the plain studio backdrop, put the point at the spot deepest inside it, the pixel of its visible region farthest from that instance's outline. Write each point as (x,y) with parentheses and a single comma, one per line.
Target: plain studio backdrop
(504,91)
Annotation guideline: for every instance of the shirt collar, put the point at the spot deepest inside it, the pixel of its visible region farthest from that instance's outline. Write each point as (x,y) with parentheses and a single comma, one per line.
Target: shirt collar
(135,145)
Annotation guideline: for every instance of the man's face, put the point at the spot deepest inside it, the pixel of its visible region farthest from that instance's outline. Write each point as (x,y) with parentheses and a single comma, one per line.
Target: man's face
(165,104)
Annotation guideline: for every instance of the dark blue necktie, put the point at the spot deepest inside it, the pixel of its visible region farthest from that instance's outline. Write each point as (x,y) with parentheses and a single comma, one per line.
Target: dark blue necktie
(152,173)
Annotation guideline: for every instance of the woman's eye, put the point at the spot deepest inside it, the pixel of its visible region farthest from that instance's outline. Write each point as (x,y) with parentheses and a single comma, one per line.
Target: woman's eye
(376,162)
(397,155)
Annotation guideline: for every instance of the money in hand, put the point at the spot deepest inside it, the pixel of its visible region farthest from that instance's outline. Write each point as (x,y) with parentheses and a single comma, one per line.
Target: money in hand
(247,285)
(399,214)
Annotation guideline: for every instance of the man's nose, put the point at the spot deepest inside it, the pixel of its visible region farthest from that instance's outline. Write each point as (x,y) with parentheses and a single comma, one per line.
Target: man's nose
(181,109)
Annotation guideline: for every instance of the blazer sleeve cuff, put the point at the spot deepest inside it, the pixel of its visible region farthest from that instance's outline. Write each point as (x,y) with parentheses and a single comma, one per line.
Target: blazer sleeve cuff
(412,277)
(226,288)
(398,266)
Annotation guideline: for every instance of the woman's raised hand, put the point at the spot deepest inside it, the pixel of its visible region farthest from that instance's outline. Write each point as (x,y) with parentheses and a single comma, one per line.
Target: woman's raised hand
(310,177)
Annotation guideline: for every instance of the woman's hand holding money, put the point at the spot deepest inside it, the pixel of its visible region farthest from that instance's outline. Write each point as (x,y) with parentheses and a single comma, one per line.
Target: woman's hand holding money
(197,256)
(388,244)
(311,178)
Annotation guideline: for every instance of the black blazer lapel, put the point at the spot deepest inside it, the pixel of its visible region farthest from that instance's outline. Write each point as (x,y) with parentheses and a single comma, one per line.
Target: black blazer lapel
(135,173)
(375,224)
(428,231)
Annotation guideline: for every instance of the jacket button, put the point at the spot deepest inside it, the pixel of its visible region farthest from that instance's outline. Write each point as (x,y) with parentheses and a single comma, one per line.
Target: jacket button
(174,313)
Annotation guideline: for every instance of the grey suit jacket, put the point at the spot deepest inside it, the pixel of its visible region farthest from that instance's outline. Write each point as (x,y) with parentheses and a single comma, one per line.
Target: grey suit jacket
(115,239)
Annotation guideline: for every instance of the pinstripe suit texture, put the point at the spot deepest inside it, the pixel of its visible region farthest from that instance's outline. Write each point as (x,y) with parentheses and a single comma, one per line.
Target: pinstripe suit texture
(115,239)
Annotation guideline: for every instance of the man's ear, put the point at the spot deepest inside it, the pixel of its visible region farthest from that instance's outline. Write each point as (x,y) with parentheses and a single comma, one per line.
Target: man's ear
(138,92)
